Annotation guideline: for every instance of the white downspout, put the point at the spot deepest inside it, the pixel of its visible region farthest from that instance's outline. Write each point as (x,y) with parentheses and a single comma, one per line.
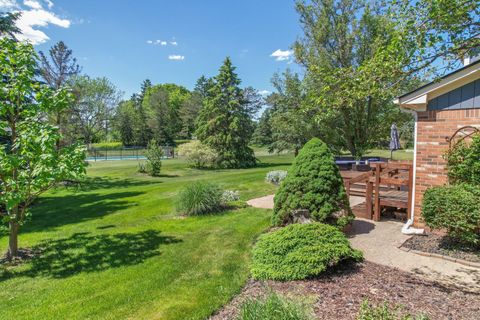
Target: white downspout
(407,227)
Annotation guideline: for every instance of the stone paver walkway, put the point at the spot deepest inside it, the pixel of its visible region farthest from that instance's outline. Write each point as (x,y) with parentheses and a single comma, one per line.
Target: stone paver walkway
(379,242)
(263,202)
(267,202)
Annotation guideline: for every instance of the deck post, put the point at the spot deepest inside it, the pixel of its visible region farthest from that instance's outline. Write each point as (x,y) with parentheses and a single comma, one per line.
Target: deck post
(368,198)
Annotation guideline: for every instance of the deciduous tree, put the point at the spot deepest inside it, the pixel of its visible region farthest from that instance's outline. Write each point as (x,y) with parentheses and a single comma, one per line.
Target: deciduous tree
(92,111)
(352,70)
(30,162)
(292,125)
(162,105)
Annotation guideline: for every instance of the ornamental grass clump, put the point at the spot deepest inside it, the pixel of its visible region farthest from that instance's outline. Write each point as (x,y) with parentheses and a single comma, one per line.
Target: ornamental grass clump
(200,198)
(300,251)
(314,184)
(385,312)
(273,307)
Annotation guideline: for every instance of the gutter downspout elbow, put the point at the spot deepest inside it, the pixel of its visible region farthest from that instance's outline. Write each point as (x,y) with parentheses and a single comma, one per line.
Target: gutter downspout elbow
(407,227)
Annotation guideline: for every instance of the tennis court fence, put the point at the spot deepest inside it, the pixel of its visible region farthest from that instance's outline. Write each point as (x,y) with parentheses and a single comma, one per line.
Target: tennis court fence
(125,153)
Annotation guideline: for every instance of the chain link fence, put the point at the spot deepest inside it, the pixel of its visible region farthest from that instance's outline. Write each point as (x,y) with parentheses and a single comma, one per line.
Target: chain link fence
(125,153)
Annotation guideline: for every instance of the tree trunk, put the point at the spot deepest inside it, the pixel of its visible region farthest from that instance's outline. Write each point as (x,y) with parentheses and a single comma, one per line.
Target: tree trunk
(13,240)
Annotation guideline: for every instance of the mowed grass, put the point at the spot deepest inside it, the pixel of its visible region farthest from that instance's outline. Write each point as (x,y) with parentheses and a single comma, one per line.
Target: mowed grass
(397,155)
(116,249)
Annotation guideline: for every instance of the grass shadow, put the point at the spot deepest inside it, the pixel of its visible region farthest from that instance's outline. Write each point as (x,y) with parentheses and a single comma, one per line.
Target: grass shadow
(52,212)
(95,183)
(272,164)
(83,252)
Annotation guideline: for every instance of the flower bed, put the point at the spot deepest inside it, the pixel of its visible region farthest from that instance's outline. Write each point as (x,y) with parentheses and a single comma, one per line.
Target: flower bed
(442,245)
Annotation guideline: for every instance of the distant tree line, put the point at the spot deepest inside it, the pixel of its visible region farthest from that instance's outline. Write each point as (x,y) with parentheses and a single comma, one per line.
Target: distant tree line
(356,56)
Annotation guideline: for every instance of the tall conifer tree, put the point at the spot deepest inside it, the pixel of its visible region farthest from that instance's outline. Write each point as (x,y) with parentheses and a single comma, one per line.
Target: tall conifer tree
(224,122)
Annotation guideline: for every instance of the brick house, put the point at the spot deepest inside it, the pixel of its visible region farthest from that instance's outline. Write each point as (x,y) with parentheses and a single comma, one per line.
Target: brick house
(440,108)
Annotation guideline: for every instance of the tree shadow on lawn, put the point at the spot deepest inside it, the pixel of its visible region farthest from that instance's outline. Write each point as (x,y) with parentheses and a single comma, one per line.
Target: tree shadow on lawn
(95,183)
(52,212)
(83,252)
(272,164)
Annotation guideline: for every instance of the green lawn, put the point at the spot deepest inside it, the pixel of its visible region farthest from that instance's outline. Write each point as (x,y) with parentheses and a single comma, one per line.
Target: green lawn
(397,155)
(118,250)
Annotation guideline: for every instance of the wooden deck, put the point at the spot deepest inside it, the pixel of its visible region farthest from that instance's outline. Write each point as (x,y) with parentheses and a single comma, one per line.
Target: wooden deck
(387,185)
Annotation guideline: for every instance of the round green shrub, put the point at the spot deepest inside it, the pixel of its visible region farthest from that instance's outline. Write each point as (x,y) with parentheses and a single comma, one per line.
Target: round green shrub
(200,198)
(197,154)
(300,251)
(455,209)
(313,183)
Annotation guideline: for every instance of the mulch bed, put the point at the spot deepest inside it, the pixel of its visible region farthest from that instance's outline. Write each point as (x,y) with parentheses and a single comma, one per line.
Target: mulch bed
(339,295)
(441,244)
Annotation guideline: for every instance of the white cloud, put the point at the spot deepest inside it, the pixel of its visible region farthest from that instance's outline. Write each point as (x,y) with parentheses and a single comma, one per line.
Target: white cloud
(38,18)
(32,4)
(176,57)
(161,42)
(282,55)
(174,43)
(8,4)
(34,15)
(264,92)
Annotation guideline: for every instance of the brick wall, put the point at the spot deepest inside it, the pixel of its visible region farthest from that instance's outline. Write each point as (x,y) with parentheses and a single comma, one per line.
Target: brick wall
(433,127)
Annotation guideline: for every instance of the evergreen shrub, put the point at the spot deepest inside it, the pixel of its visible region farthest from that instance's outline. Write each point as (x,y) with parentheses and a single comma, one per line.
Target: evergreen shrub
(300,251)
(313,183)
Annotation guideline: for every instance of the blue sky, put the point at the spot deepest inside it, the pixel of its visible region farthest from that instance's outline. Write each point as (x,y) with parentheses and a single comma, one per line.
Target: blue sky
(166,41)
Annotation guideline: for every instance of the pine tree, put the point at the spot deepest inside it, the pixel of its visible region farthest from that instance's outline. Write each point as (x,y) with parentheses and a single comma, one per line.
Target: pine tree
(143,134)
(146,84)
(203,85)
(8,25)
(58,68)
(125,121)
(224,122)
(263,132)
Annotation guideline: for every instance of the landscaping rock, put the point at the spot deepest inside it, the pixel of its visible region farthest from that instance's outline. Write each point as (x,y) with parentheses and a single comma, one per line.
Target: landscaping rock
(301,216)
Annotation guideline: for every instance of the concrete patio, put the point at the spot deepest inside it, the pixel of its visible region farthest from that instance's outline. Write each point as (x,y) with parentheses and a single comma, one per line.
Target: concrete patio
(379,242)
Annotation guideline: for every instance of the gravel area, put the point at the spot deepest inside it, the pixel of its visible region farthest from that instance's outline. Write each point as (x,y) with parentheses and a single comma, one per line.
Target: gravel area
(339,295)
(440,244)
